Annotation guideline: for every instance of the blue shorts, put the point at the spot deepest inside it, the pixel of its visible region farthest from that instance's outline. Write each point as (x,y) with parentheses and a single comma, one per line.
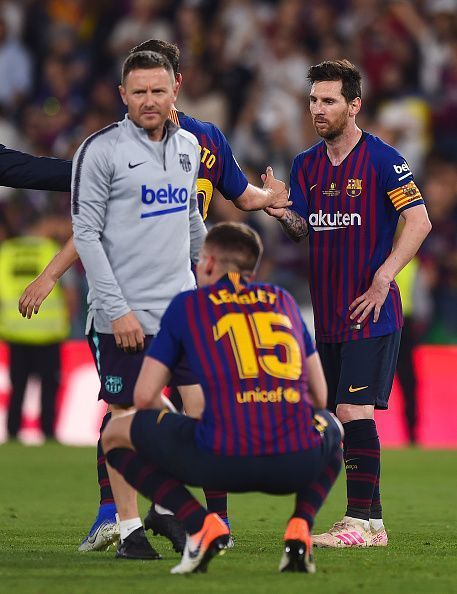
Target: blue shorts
(118,370)
(360,371)
(168,440)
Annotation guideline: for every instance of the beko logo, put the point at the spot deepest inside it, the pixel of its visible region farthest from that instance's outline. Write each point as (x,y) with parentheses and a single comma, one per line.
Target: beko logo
(402,170)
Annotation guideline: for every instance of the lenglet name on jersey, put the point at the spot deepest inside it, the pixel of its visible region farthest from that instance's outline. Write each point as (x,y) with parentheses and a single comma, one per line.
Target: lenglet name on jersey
(249,297)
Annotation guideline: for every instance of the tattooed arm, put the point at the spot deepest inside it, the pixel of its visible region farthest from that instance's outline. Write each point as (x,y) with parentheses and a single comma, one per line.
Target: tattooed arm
(293,224)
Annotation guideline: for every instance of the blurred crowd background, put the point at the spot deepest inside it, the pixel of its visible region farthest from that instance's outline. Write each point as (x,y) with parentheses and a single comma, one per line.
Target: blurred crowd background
(244,64)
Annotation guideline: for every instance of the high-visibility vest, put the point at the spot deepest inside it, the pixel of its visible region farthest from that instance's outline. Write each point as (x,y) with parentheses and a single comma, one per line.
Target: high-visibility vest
(406,281)
(21,260)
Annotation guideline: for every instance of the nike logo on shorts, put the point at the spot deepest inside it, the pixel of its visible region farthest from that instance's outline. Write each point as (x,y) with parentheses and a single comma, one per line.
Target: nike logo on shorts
(352,389)
(132,166)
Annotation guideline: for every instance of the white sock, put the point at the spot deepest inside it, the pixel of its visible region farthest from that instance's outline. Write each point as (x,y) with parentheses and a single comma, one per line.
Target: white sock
(365,523)
(162,510)
(129,526)
(376,524)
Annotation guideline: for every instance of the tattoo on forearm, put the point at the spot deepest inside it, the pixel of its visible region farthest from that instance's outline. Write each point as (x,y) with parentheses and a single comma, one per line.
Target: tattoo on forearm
(294,225)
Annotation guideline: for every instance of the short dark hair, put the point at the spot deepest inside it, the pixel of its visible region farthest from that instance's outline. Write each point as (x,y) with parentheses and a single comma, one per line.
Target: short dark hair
(169,50)
(341,70)
(138,60)
(240,246)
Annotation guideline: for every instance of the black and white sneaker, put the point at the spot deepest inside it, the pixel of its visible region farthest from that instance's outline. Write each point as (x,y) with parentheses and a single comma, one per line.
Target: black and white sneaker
(298,548)
(166,525)
(201,547)
(137,546)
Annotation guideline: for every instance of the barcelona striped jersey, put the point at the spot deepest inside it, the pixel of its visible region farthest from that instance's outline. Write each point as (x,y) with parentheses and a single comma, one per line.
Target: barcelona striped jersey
(352,212)
(218,166)
(247,345)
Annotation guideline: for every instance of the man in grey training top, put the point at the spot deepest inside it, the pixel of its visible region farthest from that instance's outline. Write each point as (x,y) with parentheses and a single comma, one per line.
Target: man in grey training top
(135,223)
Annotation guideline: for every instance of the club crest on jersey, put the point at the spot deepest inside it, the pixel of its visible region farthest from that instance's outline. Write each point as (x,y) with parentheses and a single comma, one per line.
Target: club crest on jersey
(185,162)
(410,190)
(113,384)
(354,187)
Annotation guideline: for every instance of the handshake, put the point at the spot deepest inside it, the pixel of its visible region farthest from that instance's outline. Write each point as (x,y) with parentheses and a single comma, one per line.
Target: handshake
(279,195)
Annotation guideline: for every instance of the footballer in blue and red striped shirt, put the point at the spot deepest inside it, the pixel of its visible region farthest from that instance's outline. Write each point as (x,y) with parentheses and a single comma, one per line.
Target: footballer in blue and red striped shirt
(352,211)
(348,192)
(261,377)
(245,343)
(218,167)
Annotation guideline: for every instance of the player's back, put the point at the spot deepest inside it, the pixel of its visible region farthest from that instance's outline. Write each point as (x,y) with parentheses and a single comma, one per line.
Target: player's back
(245,342)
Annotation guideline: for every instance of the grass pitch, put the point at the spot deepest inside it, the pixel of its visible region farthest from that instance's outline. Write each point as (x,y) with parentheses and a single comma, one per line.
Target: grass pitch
(48,498)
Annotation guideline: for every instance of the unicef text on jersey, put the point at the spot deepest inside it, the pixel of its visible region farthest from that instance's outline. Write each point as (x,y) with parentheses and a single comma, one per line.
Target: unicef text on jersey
(164,196)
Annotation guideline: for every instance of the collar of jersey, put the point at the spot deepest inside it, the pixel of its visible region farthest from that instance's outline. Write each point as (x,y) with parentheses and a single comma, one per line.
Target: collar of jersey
(170,129)
(233,280)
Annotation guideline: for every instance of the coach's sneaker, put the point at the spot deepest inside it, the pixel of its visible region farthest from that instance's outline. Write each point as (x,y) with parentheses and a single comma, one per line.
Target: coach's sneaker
(298,548)
(104,531)
(202,546)
(350,532)
(168,525)
(137,546)
(379,536)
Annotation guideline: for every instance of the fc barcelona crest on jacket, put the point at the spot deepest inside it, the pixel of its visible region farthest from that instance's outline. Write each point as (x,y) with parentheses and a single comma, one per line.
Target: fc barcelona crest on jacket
(185,162)
(354,187)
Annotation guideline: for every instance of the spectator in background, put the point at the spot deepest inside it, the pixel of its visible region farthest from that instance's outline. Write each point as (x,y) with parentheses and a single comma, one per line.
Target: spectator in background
(404,118)
(60,101)
(34,346)
(280,78)
(13,16)
(244,21)
(439,251)
(189,32)
(272,124)
(416,313)
(199,97)
(435,33)
(143,21)
(15,70)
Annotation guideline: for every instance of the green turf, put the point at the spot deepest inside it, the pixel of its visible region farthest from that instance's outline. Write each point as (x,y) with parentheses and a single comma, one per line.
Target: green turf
(48,499)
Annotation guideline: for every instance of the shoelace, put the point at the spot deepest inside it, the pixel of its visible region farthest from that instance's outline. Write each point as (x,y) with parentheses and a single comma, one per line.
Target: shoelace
(337,526)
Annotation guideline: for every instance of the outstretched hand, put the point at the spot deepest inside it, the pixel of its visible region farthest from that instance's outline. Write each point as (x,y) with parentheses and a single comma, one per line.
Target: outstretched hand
(34,295)
(277,189)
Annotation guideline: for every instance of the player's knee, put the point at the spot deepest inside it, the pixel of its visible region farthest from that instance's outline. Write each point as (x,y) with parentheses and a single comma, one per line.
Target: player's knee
(354,412)
(338,425)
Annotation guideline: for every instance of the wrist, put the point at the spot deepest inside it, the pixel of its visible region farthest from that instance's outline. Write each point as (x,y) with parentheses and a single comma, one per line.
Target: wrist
(384,276)
(269,195)
(50,275)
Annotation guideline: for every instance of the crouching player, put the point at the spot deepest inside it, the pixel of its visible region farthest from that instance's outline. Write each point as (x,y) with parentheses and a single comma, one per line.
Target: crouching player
(261,380)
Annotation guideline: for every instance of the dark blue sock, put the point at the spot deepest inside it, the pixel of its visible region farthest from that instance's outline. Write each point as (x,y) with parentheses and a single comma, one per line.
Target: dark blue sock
(106,495)
(363,452)
(310,500)
(159,487)
(216,501)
